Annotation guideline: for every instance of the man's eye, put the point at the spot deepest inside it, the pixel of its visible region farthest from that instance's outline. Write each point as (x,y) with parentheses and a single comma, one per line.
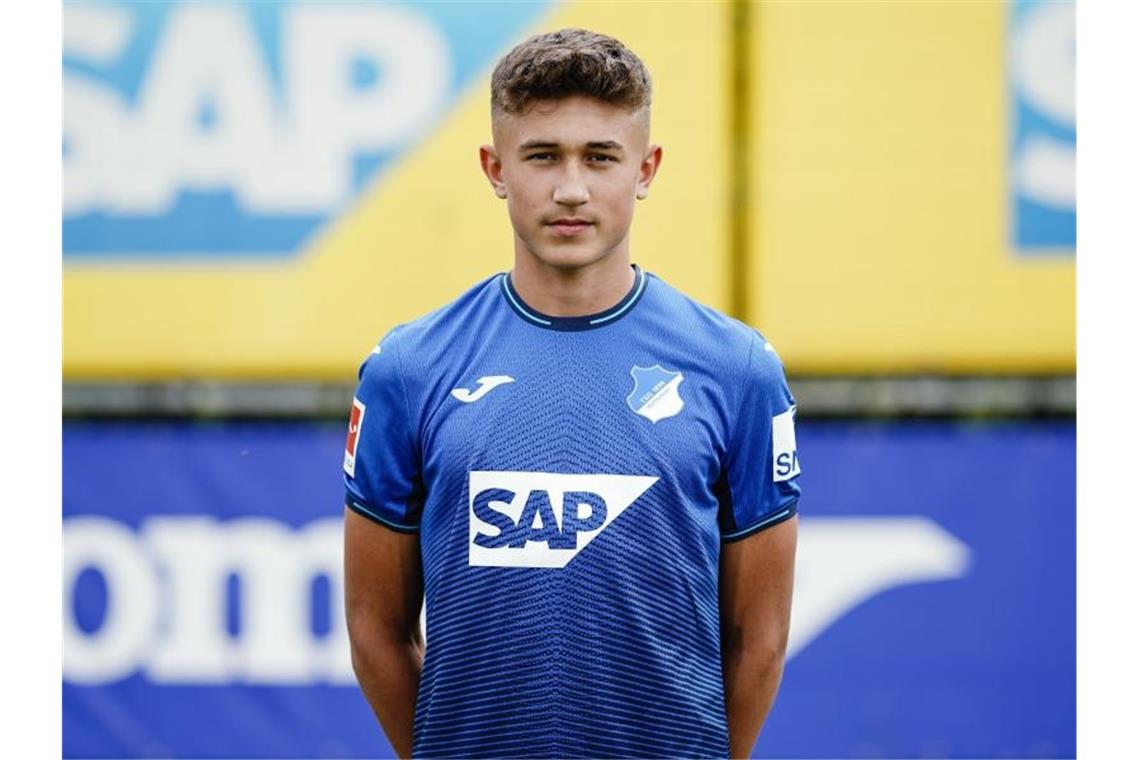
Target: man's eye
(602,157)
(540,157)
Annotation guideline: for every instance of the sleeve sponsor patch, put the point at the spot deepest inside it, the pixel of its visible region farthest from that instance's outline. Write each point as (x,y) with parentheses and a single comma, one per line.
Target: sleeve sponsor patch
(355,420)
(785,463)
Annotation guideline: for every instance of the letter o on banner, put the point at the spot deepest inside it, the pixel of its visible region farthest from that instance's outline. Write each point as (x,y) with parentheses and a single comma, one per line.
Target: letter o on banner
(123,641)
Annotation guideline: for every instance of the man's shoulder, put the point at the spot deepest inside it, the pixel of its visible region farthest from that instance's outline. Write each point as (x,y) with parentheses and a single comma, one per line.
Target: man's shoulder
(695,321)
(727,347)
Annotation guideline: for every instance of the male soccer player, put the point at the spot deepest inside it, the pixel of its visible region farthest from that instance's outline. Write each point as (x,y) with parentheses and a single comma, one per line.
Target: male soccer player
(591,476)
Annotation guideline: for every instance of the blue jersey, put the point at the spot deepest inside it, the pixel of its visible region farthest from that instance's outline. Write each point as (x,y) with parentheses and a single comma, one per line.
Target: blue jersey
(572,480)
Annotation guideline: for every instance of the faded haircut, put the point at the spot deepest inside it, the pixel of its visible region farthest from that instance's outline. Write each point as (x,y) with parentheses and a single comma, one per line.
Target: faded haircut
(569,62)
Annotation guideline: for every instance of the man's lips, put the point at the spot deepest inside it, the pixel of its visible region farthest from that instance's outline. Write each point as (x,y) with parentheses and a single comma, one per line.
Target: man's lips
(567,226)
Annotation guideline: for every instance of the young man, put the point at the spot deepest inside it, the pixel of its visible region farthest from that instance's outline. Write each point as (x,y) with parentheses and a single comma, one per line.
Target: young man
(591,476)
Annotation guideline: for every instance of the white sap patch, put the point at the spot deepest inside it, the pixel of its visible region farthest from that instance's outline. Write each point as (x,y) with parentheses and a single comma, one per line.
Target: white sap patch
(542,519)
(785,463)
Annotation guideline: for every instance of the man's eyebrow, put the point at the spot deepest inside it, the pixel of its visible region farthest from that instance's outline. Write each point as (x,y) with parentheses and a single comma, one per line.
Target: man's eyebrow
(596,145)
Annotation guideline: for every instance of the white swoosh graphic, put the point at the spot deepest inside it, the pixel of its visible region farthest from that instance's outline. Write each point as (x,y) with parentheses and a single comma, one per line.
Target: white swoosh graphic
(486,385)
(843,561)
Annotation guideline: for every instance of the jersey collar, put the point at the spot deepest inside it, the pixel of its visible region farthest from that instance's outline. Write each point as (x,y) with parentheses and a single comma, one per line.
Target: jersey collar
(587,322)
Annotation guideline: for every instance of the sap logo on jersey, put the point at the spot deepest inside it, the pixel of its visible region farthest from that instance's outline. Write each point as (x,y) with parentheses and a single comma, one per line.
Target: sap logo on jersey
(543,519)
(785,462)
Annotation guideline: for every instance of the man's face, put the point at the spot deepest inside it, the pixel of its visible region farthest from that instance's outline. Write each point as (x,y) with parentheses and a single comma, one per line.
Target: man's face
(570,171)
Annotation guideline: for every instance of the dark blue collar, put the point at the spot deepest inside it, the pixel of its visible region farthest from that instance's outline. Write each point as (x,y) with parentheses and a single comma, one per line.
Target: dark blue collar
(587,322)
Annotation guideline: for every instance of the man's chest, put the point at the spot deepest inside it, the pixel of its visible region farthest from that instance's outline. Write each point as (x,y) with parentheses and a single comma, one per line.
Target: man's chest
(526,460)
(578,412)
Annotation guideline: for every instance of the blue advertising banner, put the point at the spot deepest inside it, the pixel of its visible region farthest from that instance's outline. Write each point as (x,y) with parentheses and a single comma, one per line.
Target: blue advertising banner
(934,612)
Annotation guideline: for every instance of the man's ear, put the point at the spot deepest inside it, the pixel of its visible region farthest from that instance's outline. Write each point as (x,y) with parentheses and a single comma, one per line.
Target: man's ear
(493,168)
(648,170)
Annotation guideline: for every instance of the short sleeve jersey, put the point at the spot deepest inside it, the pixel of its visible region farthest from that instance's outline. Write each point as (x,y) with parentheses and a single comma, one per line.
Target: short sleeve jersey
(572,480)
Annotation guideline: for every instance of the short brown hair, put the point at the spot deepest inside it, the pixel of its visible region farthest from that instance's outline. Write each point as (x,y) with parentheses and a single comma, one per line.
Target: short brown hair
(569,62)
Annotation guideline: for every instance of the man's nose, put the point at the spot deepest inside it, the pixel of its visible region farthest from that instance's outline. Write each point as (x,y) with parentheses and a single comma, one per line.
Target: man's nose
(571,189)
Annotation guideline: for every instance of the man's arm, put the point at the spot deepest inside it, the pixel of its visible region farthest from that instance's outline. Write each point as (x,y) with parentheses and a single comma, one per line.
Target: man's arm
(755,607)
(383,589)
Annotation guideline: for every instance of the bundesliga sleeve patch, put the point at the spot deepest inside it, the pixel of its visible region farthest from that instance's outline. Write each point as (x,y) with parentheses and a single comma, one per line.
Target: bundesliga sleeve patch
(355,420)
(785,464)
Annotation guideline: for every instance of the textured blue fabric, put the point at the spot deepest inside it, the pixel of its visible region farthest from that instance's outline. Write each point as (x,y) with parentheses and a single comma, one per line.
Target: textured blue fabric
(615,652)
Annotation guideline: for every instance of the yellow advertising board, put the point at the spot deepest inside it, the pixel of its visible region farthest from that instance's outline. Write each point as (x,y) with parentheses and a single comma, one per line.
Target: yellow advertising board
(911,201)
(269,210)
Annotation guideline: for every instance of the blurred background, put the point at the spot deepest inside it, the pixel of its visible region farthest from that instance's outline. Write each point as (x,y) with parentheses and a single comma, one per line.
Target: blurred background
(254,193)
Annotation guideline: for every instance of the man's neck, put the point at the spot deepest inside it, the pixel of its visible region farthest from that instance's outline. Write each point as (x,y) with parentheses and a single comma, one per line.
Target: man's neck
(572,292)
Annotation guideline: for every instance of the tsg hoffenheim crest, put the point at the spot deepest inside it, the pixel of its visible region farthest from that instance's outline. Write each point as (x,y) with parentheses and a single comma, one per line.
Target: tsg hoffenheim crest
(655,395)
